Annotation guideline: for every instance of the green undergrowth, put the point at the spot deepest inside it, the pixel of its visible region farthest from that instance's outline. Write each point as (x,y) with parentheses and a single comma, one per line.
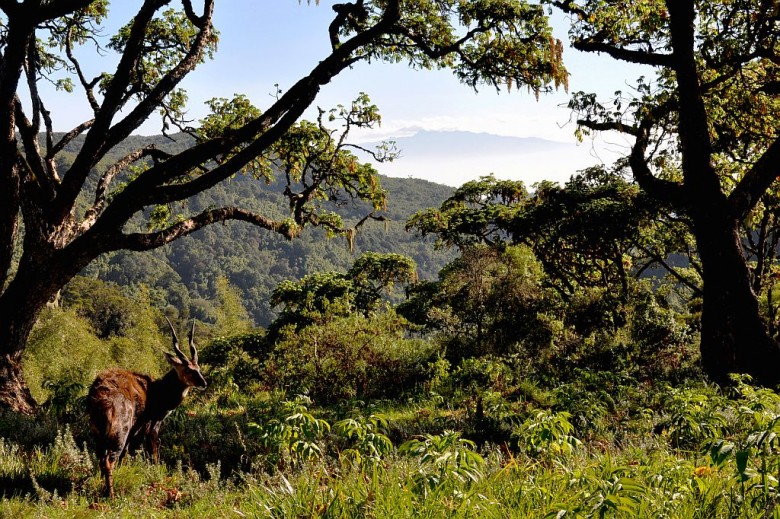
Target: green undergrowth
(652,452)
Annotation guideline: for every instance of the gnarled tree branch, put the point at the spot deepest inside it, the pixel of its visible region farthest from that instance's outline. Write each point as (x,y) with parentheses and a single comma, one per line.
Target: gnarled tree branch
(756,182)
(628,55)
(148,241)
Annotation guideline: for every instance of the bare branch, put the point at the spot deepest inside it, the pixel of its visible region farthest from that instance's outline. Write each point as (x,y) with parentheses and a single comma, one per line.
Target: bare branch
(655,258)
(628,55)
(34,160)
(148,241)
(369,216)
(606,126)
(30,71)
(658,188)
(197,21)
(105,181)
(87,85)
(756,182)
(68,137)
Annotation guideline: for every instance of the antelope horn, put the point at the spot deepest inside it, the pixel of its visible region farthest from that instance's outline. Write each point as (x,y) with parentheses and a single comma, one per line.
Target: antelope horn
(193,351)
(179,353)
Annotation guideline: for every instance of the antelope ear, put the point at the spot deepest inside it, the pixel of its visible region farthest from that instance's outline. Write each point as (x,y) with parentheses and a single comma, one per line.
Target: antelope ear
(173,360)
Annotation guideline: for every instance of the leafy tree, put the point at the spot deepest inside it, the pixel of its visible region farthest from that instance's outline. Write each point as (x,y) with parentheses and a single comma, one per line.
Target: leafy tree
(485,302)
(322,297)
(596,231)
(592,238)
(69,346)
(314,299)
(350,357)
(704,142)
(110,312)
(374,274)
(500,42)
(232,317)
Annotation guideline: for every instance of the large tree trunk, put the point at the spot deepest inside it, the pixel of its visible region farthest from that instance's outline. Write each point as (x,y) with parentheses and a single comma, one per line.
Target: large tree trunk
(20,306)
(734,338)
(14,393)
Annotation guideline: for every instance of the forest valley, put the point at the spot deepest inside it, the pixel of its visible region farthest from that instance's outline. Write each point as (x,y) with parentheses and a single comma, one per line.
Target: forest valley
(608,347)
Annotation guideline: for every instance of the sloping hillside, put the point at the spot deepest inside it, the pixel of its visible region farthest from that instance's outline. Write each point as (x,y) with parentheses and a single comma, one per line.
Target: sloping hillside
(183,274)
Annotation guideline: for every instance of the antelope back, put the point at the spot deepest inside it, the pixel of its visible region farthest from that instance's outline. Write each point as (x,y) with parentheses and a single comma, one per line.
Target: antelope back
(115,400)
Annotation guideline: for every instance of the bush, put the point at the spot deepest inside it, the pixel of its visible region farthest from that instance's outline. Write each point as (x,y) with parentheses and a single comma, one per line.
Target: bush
(235,360)
(64,351)
(103,304)
(356,356)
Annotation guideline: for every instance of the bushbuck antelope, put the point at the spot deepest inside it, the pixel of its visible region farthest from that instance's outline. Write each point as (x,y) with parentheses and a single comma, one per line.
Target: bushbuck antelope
(127,408)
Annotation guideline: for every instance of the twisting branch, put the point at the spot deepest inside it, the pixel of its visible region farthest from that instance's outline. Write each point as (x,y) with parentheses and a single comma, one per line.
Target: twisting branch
(33,159)
(655,258)
(756,182)
(607,126)
(46,172)
(440,52)
(658,188)
(198,21)
(352,14)
(68,137)
(148,241)
(105,181)
(631,56)
(95,143)
(88,86)
(30,72)
(168,82)
(150,189)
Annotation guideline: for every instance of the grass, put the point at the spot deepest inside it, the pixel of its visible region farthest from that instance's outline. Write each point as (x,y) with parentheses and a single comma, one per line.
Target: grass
(585,484)
(662,453)
(647,479)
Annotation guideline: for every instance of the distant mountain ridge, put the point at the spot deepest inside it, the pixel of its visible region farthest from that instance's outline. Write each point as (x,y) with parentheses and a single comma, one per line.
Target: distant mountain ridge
(427,142)
(454,157)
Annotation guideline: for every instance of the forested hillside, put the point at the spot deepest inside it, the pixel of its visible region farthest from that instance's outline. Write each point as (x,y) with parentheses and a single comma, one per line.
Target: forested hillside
(601,348)
(183,274)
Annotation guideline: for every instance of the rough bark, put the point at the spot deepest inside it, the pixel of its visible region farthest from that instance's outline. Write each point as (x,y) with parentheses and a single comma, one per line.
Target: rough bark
(20,306)
(14,392)
(734,338)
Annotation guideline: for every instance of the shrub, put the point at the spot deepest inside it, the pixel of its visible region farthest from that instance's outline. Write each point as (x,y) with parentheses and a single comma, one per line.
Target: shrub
(235,359)
(546,433)
(448,463)
(63,351)
(357,356)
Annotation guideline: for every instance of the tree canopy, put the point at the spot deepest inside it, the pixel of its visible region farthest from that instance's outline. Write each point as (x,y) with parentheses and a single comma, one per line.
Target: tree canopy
(704,141)
(498,43)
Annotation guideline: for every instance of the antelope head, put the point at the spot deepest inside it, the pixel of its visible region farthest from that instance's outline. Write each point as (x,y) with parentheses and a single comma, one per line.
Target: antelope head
(186,369)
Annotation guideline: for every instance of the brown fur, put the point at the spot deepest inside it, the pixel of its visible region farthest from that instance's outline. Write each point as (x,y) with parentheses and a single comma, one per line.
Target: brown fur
(127,408)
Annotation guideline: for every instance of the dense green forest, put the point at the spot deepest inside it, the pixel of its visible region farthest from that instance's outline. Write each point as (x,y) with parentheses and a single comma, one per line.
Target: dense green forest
(363,346)
(184,274)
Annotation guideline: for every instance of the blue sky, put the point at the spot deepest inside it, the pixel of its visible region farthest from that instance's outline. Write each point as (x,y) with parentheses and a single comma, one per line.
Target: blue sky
(268,42)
